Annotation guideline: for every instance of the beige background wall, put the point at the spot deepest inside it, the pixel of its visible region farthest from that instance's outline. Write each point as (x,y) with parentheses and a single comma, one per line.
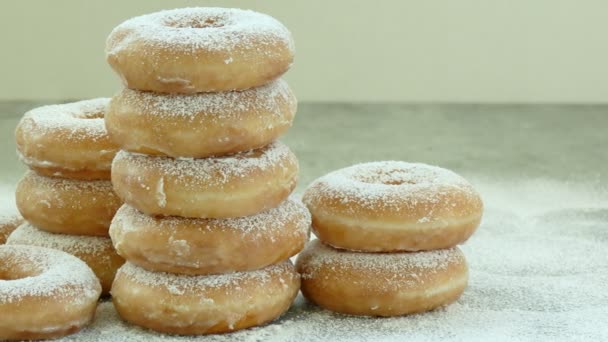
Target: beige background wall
(381,50)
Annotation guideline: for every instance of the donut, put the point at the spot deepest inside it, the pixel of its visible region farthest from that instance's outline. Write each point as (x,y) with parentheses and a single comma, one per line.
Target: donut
(44,293)
(8,223)
(97,252)
(192,50)
(67,206)
(200,125)
(67,140)
(231,186)
(197,305)
(207,246)
(393,206)
(381,284)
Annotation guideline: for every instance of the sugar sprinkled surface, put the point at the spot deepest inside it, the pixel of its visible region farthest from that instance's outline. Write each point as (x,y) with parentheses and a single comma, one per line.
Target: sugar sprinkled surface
(218,106)
(27,234)
(509,298)
(218,170)
(82,120)
(208,28)
(253,227)
(54,273)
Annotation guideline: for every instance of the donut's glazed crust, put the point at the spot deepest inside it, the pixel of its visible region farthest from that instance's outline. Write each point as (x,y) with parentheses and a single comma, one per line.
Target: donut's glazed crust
(46,302)
(67,140)
(192,50)
(235,304)
(429,207)
(200,125)
(66,206)
(379,289)
(223,187)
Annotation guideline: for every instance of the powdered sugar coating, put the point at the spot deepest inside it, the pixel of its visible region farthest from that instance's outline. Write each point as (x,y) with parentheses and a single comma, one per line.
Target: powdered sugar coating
(252,227)
(54,274)
(392,185)
(217,106)
(77,121)
(55,189)
(27,234)
(417,264)
(196,28)
(216,171)
(180,284)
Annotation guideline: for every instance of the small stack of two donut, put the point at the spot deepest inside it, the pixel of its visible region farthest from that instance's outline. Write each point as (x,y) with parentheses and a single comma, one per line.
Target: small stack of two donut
(66,197)
(387,238)
(208,225)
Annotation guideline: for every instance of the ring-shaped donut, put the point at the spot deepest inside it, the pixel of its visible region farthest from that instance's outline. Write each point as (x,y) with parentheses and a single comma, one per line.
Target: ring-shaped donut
(192,50)
(67,206)
(196,305)
(381,284)
(393,206)
(44,293)
(231,186)
(67,140)
(200,125)
(210,246)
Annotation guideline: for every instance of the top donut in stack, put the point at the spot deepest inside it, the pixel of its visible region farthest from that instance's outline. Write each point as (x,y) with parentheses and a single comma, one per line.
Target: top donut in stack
(204,179)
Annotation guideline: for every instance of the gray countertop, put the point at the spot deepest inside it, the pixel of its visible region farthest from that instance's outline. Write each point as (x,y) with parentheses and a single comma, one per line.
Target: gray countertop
(538,262)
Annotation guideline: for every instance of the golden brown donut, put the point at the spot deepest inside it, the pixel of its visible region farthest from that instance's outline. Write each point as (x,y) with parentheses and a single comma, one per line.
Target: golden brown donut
(197,305)
(44,293)
(192,50)
(381,284)
(8,223)
(67,206)
(97,252)
(200,125)
(231,186)
(207,246)
(67,140)
(393,206)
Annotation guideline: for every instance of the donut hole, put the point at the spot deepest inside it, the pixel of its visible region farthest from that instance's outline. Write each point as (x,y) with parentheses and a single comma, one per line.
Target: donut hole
(197,23)
(91,115)
(387,177)
(14,270)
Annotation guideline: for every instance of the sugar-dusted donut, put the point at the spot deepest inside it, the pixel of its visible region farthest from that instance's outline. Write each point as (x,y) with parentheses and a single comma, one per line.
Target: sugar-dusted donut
(9,221)
(67,140)
(196,305)
(206,246)
(393,206)
(192,50)
(229,186)
(97,252)
(44,293)
(67,206)
(381,284)
(200,125)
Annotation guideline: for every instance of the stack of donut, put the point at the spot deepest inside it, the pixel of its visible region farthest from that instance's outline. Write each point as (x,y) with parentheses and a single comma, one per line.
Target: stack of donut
(66,197)
(208,226)
(68,203)
(387,238)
